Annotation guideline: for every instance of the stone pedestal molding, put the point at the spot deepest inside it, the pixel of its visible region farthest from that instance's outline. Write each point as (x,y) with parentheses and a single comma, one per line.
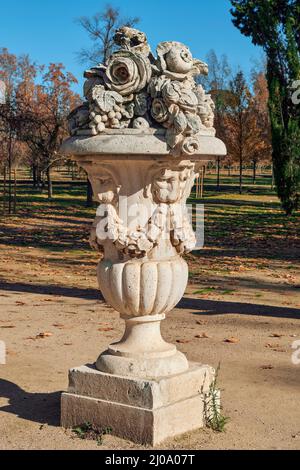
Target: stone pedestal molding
(141,135)
(141,410)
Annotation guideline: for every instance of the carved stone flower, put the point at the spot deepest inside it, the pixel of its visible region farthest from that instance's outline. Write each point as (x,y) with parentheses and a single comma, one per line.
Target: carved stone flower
(135,90)
(190,146)
(159,110)
(128,72)
(175,93)
(176,61)
(171,92)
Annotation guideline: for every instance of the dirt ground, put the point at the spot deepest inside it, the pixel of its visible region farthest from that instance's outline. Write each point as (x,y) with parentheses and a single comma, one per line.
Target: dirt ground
(260,385)
(52,318)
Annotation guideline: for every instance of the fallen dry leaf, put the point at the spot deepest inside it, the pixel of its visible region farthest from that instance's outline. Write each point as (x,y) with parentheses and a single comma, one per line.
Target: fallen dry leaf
(182,341)
(44,335)
(7,326)
(105,329)
(232,340)
(20,303)
(203,335)
(268,367)
(276,335)
(68,344)
(272,346)
(10,352)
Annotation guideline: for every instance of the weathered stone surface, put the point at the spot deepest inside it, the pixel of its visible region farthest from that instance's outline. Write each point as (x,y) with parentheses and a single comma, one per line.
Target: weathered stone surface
(142,134)
(139,145)
(138,91)
(143,411)
(150,394)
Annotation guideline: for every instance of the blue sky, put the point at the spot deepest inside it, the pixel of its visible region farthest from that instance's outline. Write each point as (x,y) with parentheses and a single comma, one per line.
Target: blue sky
(47,30)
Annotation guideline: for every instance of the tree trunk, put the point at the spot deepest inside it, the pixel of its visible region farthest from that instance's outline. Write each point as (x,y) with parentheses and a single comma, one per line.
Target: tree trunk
(73,171)
(89,194)
(273,178)
(202,181)
(15,192)
(9,176)
(39,178)
(34,175)
(49,183)
(218,174)
(254,171)
(241,174)
(4,190)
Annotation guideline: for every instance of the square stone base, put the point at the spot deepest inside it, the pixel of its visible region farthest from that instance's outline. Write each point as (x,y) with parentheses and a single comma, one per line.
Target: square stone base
(143,411)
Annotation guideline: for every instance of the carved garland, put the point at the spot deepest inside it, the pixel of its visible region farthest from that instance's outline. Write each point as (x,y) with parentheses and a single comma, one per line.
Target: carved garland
(168,190)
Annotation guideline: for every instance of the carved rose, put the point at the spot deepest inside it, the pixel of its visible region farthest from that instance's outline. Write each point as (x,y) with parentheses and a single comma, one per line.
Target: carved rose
(159,110)
(171,92)
(128,72)
(190,146)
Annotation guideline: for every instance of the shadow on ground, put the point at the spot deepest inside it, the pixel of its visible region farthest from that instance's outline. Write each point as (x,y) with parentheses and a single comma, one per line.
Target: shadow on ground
(43,408)
(75,292)
(205,307)
(213,307)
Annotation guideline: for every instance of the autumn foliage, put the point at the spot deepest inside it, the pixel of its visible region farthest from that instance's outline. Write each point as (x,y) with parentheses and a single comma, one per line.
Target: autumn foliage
(33,120)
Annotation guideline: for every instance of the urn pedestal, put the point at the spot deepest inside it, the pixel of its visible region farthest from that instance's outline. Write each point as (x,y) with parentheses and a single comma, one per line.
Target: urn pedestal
(141,387)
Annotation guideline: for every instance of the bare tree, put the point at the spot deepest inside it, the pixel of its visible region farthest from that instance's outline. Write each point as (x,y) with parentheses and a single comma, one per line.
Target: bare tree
(101,29)
(219,72)
(217,84)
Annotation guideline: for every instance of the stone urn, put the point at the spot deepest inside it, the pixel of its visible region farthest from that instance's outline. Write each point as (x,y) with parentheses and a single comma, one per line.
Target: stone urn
(141,135)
